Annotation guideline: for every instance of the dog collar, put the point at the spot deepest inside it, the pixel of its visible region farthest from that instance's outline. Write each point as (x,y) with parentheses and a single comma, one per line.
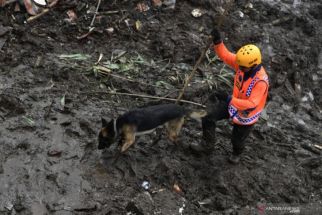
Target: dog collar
(115,129)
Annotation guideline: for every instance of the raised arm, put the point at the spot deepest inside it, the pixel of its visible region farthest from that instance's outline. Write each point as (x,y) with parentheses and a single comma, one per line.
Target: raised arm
(225,55)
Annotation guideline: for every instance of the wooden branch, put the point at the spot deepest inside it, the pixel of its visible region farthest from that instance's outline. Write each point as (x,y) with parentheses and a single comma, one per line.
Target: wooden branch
(45,11)
(111,12)
(33,18)
(203,53)
(194,70)
(155,97)
(96,11)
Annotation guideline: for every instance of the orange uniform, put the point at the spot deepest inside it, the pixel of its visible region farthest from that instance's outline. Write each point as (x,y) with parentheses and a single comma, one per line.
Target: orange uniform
(249,95)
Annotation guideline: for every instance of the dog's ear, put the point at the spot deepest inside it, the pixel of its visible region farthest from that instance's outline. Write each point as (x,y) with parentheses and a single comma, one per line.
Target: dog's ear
(104,123)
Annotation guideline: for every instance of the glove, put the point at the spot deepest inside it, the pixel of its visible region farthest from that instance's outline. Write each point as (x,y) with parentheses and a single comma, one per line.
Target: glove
(216,38)
(229,99)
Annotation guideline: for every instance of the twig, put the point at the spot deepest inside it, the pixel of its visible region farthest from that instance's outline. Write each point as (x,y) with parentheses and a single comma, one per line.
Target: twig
(96,11)
(33,18)
(152,97)
(91,28)
(111,12)
(45,11)
(106,72)
(193,71)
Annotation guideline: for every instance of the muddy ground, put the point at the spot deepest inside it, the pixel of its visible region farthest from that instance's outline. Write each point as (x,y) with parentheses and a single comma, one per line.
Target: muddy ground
(51,104)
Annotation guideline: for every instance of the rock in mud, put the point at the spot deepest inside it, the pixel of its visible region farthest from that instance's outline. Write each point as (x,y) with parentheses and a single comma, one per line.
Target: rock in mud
(142,204)
(38,208)
(312,163)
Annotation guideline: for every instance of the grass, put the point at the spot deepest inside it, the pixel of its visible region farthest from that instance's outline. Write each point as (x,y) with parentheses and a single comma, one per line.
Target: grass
(214,78)
(125,66)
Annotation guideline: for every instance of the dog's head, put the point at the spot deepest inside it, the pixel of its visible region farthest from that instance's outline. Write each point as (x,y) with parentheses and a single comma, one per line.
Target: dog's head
(106,137)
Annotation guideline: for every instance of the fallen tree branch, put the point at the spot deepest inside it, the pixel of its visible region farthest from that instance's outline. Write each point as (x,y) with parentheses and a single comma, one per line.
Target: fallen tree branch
(152,97)
(193,71)
(311,148)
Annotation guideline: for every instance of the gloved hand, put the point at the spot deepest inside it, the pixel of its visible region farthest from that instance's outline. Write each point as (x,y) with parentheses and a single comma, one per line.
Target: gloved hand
(216,38)
(229,99)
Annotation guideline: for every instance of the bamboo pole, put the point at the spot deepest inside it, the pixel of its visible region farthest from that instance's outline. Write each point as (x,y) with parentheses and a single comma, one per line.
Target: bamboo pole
(203,53)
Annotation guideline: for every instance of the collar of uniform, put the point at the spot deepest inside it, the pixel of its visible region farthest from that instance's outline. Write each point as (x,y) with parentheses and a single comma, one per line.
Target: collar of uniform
(252,73)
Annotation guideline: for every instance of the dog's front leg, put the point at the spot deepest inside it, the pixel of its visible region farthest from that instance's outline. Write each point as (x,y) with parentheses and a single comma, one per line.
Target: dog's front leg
(129,136)
(174,127)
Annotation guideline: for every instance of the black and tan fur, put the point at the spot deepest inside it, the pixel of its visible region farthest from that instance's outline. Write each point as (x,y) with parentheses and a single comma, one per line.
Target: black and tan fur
(145,120)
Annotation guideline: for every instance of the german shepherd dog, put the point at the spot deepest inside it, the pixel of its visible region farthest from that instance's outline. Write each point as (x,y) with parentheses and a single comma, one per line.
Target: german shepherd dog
(143,121)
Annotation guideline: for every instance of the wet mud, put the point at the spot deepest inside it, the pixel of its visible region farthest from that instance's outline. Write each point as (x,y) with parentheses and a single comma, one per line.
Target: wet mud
(53,95)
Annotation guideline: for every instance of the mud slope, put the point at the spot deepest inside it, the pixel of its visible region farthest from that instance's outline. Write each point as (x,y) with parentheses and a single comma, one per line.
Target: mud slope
(51,104)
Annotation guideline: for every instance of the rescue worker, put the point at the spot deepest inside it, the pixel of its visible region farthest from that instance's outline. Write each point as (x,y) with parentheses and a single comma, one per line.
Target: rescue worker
(245,104)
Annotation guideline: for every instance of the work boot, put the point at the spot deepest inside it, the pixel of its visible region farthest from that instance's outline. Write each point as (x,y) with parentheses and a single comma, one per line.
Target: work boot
(206,145)
(234,159)
(202,147)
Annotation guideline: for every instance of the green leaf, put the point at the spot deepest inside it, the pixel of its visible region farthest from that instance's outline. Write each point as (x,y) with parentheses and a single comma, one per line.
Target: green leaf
(75,56)
(62,101)
(126,67)
(29,120)
(139,60)
(113,66)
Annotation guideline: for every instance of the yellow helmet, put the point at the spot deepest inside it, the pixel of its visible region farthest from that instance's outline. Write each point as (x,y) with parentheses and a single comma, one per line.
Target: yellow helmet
(248,56)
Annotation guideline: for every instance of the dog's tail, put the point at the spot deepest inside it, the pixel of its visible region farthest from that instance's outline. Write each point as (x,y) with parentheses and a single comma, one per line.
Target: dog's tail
(197,115)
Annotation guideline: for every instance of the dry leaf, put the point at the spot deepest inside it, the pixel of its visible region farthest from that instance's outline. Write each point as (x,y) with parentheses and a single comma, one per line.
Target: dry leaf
(138,25)
(176,188)
(71,16)
(142,7)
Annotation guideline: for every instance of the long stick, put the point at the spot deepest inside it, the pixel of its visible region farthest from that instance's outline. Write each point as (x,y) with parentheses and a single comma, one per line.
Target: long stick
(45,11)
(33,18)
(203,53)
(155,97)
(96,11)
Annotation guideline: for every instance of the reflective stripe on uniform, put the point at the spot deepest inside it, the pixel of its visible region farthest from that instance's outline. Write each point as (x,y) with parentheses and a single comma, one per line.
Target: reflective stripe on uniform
(244,121)
(251,85)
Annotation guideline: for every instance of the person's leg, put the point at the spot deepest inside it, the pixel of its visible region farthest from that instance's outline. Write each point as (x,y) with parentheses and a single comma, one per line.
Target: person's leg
(217,112)
(238,140)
